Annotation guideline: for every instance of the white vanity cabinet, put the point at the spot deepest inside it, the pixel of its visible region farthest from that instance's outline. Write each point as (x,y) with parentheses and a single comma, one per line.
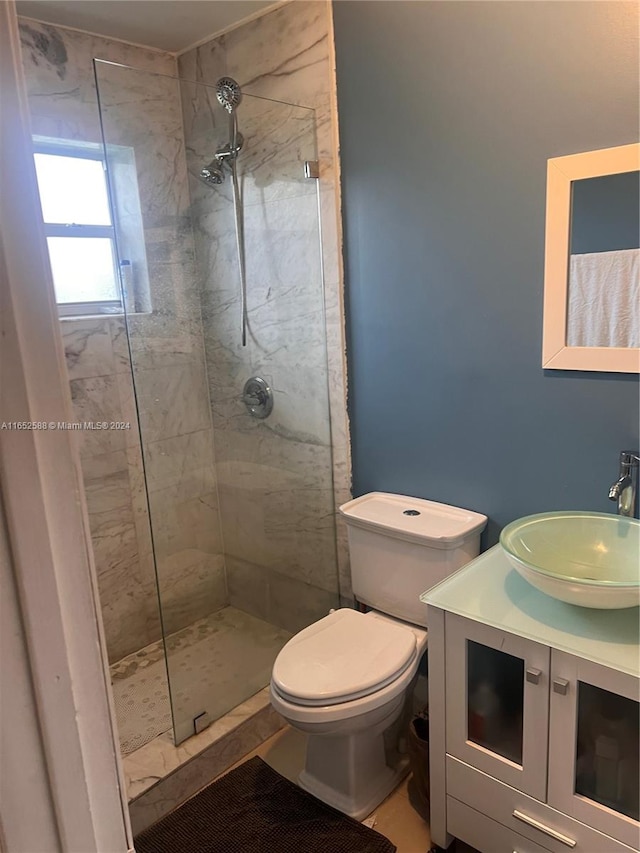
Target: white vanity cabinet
(534,717)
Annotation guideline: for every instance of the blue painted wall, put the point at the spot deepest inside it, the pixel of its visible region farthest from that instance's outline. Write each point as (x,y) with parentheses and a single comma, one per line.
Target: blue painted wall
(448,113)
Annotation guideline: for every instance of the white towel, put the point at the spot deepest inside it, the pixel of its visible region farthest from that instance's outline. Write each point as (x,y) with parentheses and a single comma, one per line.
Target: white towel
(604,299)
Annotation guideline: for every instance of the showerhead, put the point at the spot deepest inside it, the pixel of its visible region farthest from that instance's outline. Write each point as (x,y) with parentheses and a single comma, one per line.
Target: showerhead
(212,174)
(228,93)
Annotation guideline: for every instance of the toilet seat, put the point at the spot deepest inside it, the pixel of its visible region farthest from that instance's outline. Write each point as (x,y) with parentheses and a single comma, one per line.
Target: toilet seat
(344,657)
(320,716)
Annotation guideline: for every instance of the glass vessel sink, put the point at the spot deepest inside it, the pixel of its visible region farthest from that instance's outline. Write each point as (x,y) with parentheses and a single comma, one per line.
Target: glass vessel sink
(586,558)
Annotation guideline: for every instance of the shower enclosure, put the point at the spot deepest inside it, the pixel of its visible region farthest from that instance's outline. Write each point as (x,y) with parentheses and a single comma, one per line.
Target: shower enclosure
(232,512)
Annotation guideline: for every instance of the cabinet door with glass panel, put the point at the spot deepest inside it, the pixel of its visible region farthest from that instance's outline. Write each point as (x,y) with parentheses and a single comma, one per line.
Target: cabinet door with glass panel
(594,746)
(497,703)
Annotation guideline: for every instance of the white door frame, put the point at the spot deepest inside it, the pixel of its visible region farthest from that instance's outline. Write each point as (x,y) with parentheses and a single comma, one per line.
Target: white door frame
(48,572)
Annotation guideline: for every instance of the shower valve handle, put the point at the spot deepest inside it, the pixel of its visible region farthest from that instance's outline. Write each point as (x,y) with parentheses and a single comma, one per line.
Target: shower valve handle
(257,397)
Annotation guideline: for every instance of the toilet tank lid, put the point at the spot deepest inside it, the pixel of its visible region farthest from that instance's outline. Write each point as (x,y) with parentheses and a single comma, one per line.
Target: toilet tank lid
(427,522)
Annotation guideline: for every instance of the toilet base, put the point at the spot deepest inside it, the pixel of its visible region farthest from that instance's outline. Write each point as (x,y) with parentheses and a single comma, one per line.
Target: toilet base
(350,772)
(358,808)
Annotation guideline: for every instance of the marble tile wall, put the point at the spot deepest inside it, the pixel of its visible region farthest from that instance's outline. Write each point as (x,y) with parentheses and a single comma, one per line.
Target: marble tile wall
(101,390)
(141,110)
(278,479)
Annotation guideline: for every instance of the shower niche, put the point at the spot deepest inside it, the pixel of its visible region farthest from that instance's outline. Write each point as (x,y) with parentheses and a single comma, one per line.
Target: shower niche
(232,516)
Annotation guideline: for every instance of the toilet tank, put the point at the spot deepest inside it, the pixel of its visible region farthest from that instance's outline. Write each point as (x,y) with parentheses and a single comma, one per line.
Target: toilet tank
(400,546)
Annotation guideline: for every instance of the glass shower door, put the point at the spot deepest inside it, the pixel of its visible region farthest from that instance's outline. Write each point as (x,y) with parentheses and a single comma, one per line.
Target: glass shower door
(274,475)
(241,509)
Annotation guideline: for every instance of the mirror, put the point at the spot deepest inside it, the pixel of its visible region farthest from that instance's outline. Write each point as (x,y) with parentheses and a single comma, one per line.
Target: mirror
(592,261)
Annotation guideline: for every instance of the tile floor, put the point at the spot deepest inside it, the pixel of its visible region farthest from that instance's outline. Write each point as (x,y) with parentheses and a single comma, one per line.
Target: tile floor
(395,817)
(204,660)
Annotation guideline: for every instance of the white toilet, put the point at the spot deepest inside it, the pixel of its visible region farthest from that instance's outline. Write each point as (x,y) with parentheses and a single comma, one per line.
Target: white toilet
(344,680)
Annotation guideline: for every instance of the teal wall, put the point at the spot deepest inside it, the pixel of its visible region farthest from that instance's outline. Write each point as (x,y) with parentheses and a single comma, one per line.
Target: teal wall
(448,113)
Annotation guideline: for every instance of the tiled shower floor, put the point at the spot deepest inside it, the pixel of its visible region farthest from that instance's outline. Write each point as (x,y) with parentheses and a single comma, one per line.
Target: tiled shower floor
(215,663)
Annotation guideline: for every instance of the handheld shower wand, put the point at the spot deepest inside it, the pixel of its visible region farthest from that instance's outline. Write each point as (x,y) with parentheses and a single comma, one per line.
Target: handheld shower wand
(229,95)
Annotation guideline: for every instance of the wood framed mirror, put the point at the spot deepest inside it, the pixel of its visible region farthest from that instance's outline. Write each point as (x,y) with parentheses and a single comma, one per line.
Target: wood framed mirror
(592,261)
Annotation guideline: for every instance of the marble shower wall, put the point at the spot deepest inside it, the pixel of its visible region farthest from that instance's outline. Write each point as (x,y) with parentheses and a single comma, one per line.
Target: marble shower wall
(278,479)
(99,371)
(142,111)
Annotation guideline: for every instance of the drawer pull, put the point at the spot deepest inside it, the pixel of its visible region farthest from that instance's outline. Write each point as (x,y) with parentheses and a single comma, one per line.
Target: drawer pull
(553,833)
(533,675)
(561,686)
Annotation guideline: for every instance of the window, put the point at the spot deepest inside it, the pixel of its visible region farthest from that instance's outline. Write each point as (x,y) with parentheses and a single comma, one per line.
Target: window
(80,233)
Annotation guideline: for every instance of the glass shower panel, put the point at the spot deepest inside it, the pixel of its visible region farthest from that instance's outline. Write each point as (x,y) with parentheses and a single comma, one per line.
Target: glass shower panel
(274,475)
(144,149)
(243,539)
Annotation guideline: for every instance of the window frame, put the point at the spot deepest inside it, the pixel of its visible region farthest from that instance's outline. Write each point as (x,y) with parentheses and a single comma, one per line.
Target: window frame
(83,151)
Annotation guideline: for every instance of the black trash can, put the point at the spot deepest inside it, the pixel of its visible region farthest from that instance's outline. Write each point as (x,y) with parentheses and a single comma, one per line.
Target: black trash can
(418,749)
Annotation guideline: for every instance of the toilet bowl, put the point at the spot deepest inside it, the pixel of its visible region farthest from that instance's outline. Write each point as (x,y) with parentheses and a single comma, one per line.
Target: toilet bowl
(343,681)
(347,680)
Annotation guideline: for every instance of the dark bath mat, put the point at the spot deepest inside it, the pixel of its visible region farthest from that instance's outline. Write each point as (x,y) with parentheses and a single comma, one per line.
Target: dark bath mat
(255,810)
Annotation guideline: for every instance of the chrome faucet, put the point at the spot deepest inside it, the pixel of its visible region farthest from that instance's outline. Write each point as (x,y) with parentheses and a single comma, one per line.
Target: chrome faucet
(625,488)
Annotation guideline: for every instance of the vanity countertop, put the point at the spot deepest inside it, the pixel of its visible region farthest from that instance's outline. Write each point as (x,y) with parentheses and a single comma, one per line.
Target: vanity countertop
(488,590)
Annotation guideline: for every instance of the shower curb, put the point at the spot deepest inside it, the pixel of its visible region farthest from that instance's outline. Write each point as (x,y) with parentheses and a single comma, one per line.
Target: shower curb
(257,721)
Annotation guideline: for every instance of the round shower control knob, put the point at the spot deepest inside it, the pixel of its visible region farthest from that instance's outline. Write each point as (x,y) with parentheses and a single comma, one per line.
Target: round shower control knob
(257,397)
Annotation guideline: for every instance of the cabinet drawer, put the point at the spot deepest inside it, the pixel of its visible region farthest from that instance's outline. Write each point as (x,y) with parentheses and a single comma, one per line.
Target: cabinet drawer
(499,802)
(485,834)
